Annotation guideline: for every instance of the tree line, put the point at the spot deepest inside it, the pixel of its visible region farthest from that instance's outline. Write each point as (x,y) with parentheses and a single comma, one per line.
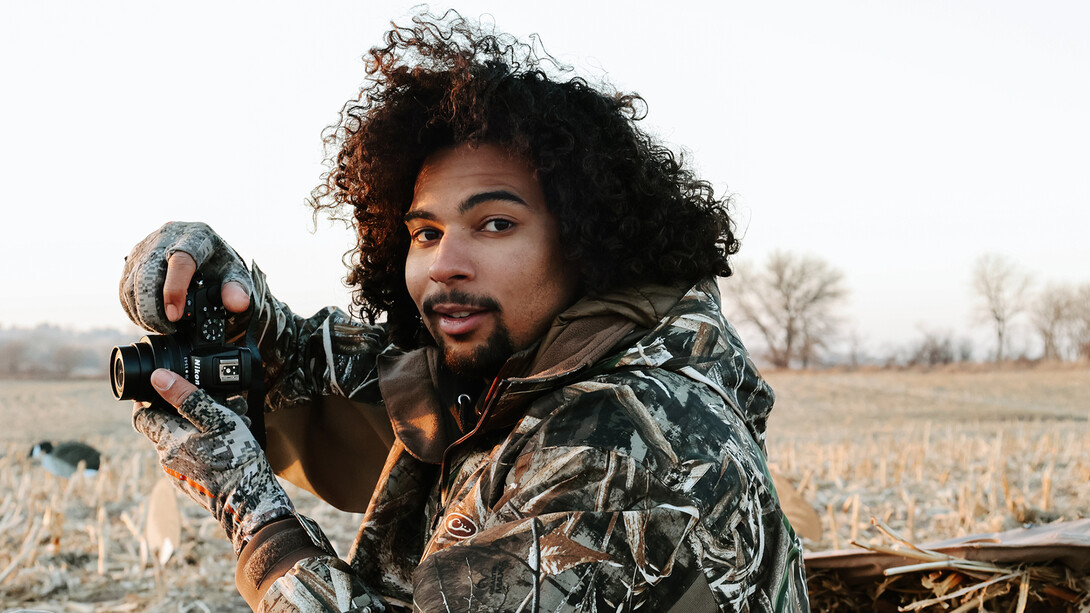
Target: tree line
(50,351)
(792,302)
(1059,312)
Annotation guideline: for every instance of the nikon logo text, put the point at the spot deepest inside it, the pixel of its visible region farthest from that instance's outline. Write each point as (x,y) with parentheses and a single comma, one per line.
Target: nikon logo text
(197,372)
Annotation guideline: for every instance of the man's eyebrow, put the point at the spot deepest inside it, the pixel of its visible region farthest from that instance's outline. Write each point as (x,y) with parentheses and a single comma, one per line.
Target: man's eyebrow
(472,201)
(500,194)
(411,215)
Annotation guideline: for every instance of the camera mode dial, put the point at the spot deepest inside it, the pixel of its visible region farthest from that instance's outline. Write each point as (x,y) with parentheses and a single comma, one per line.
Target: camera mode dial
(212,330)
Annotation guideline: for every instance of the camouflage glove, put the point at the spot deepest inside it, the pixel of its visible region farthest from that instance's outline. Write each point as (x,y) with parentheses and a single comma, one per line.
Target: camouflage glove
(215,460)
(145,269)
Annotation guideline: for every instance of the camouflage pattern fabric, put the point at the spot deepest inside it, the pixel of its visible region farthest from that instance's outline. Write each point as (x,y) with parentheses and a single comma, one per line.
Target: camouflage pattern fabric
(215,460)
(321,584)
(145,269)
(306,358)
(623,490)
(640,482)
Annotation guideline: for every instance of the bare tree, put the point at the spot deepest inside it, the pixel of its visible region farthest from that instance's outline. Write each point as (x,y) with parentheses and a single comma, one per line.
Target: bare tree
(933,349)
(965,349)
(856,352)
(1003,287)
(1053,313)
(68,358)
(790,301)
(13,357)
(1079,330)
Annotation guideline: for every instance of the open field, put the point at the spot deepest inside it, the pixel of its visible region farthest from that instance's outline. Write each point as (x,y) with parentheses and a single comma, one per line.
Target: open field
(935,455)
(76,545)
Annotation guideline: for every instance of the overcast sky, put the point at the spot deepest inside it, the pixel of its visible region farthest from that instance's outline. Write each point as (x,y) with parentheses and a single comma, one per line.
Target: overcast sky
(897,140)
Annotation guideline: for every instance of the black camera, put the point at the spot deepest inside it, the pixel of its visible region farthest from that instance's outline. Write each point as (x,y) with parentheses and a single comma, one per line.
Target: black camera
(199,352)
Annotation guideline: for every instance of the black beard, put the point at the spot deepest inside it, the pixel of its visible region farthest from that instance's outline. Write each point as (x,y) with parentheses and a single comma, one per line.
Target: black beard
(485,361)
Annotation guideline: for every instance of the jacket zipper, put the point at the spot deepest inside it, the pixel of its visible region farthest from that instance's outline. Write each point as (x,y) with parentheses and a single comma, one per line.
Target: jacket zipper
(495,391)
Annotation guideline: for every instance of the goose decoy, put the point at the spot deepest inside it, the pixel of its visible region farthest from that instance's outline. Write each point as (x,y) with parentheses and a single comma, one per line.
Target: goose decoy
(62,459)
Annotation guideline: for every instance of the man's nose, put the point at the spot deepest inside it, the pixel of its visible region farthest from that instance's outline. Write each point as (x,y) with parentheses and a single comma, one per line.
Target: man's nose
(452,261)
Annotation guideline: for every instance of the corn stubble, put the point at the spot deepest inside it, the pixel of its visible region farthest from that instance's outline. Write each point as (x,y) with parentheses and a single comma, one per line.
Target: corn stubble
(88,544)
(892,459)
(927,455)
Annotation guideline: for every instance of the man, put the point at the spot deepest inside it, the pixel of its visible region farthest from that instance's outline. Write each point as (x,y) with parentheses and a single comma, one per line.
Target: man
(566,420)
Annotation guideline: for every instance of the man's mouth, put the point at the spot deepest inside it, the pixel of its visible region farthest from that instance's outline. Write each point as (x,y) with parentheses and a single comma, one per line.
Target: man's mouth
(458,321)
(458,313)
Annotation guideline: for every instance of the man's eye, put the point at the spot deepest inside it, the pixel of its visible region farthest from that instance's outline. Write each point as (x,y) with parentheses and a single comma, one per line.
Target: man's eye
(498,225)
(424,235)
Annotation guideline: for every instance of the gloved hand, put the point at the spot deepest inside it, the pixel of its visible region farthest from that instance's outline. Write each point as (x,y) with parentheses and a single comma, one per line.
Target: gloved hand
(213,457)
(153,293)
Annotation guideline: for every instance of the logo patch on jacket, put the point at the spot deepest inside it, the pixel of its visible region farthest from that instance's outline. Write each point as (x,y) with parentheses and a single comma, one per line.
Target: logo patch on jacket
(459,526)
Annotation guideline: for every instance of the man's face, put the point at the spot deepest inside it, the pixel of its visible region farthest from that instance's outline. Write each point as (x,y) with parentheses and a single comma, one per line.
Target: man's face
(485,266)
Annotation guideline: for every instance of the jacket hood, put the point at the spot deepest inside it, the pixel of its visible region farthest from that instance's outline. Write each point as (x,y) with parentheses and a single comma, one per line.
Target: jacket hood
(653,325)
(416,387)
(695,340)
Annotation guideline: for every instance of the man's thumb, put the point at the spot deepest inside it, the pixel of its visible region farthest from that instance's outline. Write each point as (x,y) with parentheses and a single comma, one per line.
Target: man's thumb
(173,388)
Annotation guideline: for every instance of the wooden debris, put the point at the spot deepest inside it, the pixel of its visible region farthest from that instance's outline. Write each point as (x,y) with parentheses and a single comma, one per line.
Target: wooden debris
(941,581)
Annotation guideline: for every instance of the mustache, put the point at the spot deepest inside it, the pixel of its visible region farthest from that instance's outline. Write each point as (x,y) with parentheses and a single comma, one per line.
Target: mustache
(460,297)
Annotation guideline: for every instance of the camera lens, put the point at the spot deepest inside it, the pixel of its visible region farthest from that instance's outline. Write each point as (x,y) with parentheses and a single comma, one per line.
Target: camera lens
(131,366)
(118,380)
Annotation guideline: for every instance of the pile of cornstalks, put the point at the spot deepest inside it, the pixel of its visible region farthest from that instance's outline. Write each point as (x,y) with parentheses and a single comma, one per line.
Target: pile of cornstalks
(1040,569)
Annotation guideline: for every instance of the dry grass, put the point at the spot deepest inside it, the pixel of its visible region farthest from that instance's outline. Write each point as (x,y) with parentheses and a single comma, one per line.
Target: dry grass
(76,545)
(934,455)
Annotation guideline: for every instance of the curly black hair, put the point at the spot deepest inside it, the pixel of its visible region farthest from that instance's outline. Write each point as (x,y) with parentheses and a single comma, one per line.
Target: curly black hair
(629,210)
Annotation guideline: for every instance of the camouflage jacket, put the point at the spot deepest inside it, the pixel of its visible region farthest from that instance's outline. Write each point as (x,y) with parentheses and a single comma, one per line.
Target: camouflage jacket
(617,464)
